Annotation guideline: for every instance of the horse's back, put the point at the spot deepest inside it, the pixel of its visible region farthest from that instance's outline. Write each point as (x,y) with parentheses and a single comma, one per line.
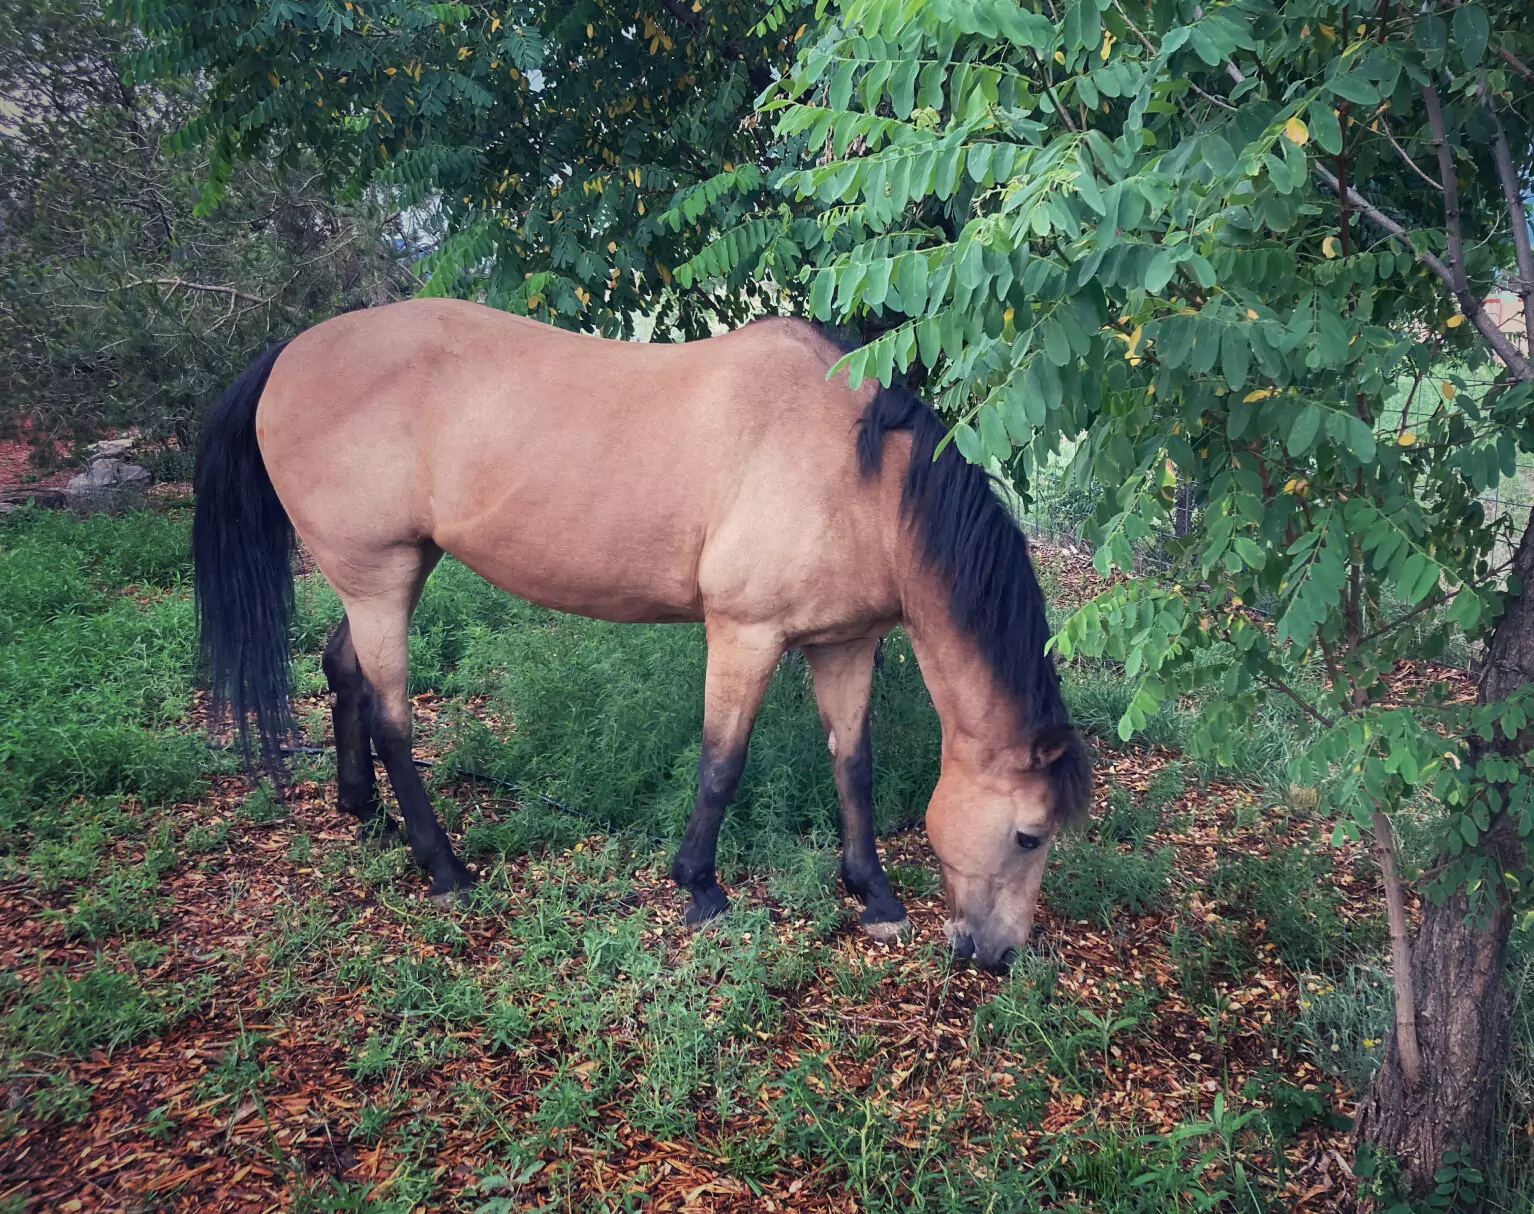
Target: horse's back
(631,481)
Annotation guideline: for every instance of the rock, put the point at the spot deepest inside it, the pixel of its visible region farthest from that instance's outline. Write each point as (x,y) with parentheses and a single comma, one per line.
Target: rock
(110,446)
(8,508)
(103,472)
(107,483)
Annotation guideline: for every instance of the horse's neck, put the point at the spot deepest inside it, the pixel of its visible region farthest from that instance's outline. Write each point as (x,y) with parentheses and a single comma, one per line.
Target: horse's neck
(971,704)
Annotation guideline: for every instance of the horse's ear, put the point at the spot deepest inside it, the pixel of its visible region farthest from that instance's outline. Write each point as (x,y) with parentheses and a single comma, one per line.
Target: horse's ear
(1049,744)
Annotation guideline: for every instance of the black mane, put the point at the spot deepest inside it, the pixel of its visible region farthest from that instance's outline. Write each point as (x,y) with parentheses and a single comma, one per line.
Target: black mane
(972,540)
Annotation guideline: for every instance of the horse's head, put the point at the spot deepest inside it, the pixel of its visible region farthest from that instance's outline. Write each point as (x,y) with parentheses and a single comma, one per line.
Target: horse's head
(991,819)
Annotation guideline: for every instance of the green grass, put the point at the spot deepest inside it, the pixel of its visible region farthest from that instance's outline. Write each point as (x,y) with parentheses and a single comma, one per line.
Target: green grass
(559,977)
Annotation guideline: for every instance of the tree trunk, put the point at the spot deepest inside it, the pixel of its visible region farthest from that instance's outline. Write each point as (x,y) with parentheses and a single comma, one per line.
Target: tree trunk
(1464,1009)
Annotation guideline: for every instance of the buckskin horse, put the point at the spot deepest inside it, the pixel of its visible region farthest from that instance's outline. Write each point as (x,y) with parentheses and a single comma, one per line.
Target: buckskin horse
(727,480)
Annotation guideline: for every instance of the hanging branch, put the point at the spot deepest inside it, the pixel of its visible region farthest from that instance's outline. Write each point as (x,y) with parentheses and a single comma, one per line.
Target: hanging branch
(1495,338)
(1520,223)
(1469,304)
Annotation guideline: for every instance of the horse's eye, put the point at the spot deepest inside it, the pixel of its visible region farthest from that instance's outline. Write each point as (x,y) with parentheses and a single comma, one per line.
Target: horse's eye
(1027,842)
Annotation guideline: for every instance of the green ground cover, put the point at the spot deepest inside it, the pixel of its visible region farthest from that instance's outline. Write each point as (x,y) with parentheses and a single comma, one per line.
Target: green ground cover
(211,996)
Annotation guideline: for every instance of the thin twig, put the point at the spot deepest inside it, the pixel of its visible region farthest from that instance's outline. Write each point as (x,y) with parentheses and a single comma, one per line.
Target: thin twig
(1049,91)
(1432,181)
(211,288)
(1209,97)
(1427,604)
(1274,681)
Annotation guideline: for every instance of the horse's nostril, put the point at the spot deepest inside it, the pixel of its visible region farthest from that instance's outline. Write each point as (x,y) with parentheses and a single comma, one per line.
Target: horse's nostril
(964,947)
(1007,958)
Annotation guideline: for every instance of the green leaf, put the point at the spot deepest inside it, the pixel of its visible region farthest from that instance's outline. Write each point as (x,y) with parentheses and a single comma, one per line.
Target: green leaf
(1235,357)
(1303,429)
(1325,127)
(968,442)
(993,433)
(1472,31)
(1160,271)
(1056,345)
(1354,88)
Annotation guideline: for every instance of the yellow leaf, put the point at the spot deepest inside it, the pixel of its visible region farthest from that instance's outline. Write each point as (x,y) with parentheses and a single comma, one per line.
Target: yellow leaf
(1256,394)
(612,246)
(389,71)
(1060,57)
(1006,317)
(1296,132)
(665,274)
(641,206)
(1251,314)
(272,76)
(1108,41)
(1456,320)
(463,52)
(1134,341)
(1448,389)
(495,24)
(1407,439)
(1327,30)
(1329,246)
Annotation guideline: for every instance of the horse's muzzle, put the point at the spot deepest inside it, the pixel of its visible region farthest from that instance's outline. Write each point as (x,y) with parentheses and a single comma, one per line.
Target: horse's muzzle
(964,949)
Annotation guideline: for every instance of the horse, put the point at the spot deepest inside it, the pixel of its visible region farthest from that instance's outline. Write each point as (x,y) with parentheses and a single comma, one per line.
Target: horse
(730,480)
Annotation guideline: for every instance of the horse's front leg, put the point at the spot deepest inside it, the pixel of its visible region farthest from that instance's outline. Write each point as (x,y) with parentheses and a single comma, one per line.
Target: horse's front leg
(740,666)
(843,674)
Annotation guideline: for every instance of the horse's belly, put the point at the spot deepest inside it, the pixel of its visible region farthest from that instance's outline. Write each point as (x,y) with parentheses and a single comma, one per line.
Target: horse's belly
(631,579)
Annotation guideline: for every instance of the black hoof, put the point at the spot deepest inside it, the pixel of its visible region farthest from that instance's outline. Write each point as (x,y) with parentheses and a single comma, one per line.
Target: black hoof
(705,904)
(451,888)
(885,921)
(381,833)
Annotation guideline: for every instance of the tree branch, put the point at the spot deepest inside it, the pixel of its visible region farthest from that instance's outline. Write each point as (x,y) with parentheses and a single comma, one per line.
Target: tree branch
(1384,126)
(1520,223)
(1515,63)
(1495,338)
(1050,90)
(1274,681)
(211,288)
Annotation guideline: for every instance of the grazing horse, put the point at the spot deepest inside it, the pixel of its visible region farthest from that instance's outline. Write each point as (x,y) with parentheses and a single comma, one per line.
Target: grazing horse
(726,480)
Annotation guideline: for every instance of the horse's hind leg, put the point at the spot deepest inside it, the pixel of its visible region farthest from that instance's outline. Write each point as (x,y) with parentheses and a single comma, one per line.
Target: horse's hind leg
(380,628)
(740,666)
(842,677)
(356,787)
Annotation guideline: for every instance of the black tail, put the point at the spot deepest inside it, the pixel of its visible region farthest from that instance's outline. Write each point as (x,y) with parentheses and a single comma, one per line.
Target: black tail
(242,551)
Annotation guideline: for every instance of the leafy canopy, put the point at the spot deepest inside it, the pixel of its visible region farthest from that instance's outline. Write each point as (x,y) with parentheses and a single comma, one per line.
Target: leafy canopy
(548,137)
(1215,243)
